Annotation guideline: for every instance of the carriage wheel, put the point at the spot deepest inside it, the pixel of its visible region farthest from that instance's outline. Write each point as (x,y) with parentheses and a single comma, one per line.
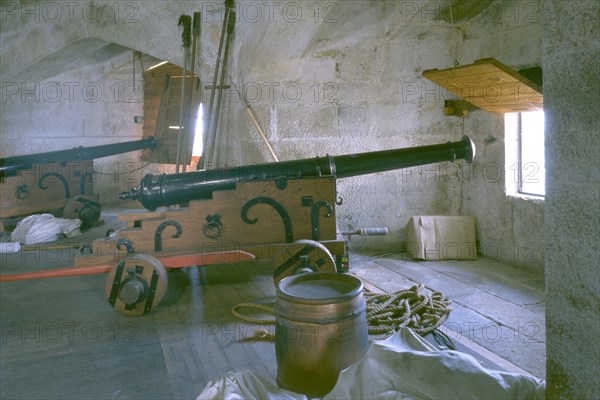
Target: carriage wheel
(83,207)
(302,256)
(136,285)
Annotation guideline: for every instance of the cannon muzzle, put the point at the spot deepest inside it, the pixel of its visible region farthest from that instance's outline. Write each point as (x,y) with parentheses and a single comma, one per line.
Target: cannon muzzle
(168,189)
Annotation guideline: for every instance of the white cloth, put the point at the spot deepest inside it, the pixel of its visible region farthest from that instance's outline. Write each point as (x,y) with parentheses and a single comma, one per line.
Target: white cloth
(244,385)
(403,366)
(43,228)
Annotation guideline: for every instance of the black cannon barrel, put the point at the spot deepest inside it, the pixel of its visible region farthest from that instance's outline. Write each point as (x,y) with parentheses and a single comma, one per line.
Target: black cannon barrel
(168,189)
(11,165)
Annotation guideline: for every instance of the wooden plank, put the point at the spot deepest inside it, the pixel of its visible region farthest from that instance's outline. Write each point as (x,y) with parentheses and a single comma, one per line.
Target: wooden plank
(142,214)
(505,93)
(383,275)
(463,71)
(489,85)
(486,68)
(220,342)
(105,251)
(187,370)
(165,98)
(66,326)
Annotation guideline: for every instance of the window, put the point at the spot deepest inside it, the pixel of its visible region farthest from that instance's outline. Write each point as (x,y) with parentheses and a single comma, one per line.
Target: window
(525,153)
(198,139)
(531,153)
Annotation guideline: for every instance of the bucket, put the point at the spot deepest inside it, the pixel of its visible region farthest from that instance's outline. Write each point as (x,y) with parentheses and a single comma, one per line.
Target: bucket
(321,329)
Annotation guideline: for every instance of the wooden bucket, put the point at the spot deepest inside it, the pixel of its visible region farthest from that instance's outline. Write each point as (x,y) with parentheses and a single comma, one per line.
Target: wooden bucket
(321,329)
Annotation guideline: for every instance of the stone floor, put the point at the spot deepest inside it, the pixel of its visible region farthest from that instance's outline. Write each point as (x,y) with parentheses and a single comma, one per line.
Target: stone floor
(61,339)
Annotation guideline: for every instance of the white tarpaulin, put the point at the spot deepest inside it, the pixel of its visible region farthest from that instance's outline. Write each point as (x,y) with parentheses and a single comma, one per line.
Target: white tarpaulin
(403,366)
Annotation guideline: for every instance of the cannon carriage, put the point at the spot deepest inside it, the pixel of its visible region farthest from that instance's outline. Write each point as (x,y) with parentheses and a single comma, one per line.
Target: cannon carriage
(283,212)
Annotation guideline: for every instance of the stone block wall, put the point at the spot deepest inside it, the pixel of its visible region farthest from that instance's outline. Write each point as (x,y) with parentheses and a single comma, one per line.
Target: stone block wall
(508,225)
(321,78)
(571,32)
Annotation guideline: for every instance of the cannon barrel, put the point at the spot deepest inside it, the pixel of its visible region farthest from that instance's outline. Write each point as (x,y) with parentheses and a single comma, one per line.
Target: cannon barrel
(168,189)
(11,165)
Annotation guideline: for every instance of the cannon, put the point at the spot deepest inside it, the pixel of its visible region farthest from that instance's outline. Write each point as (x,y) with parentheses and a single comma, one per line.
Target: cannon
(170,189)
(11,165)
(283,212)
(57,179)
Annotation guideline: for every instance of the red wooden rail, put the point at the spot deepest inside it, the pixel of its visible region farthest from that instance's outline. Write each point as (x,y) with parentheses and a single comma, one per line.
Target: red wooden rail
(180,261)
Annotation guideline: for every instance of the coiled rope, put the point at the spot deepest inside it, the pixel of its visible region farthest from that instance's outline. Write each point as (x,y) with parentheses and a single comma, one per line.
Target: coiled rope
(259,334)
(386,312)
(254,320)
(389,312)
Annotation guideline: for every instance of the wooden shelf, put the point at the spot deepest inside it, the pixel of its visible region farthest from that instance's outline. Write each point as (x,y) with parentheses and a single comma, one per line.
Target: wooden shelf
(490,85)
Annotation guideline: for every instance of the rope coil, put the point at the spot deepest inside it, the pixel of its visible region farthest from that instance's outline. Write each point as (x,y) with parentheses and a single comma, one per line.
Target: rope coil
(254,320)
(388,312)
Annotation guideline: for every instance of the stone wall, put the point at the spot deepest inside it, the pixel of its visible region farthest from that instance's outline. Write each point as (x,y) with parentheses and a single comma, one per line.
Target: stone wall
(355,85)
(508,226)
(92,104)
(346,78)
(332,77)
(572,221)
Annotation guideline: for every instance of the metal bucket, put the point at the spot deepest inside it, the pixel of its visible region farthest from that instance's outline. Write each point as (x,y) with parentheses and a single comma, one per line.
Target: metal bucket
(321,329)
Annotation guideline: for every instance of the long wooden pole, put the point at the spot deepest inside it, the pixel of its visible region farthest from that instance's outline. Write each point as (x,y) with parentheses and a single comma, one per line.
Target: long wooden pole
(191,112)
(186,21)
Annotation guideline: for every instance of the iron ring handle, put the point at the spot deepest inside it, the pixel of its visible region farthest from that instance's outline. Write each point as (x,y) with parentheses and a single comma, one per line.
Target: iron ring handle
(22,191)
(213,229)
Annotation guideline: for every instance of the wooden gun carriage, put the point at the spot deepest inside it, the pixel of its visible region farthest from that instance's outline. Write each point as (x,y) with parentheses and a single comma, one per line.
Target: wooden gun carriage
(282,211)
